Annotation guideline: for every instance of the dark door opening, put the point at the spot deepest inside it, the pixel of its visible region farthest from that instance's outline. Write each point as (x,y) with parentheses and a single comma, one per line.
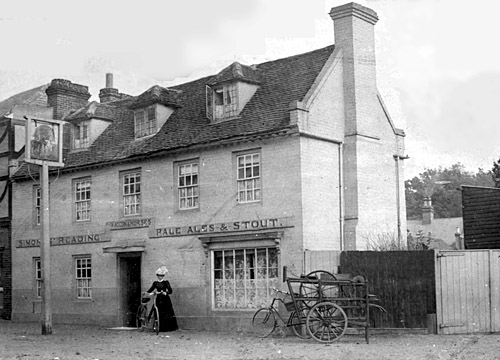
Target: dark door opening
(130,287)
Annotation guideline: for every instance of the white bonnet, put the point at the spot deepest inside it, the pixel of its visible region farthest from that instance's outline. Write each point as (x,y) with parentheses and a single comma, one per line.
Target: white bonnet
(162,271)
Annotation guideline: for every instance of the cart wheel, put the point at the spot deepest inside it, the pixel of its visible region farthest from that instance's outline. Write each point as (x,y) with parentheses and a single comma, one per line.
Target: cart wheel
(155,320)
(140,318)
(326,322)
(299,326)
(263,322)
(309,288)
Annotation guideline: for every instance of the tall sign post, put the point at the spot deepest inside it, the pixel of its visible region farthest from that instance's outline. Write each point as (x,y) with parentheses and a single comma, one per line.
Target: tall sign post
(44,142)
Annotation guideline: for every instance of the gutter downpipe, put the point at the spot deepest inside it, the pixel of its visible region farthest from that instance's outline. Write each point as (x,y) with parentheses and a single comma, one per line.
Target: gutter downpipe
(398,196)
(341,195)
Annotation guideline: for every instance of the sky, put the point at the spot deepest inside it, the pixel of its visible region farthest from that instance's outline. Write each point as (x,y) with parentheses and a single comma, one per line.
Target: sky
(438,62)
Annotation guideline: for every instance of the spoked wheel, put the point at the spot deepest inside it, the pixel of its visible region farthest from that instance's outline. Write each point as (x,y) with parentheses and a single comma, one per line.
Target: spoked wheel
(299,326)
(263,322)
(141,318)
(310,287)
(326,322)
(155,320)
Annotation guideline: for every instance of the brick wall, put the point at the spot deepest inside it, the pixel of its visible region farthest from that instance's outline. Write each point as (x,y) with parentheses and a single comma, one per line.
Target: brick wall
(6,269)
(64,96)
(184,255)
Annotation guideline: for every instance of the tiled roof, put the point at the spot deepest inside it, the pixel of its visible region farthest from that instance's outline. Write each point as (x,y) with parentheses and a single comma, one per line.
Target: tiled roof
(282,81)
(157,95)
(95,110)
(236,71)
(34,96)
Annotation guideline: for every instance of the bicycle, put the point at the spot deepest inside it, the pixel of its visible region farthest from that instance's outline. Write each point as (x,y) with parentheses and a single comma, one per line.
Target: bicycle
(148,317)
(265,320)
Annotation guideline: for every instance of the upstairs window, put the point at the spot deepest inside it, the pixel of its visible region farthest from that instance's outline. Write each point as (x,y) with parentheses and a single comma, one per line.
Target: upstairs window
(188,186)
(145,122)
(81,135)
(222,101)
(82,200)
(248,177)
(37,197)
(131,190)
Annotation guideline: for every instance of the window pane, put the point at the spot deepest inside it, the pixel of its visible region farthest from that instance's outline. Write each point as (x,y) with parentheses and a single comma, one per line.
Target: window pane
(245,282)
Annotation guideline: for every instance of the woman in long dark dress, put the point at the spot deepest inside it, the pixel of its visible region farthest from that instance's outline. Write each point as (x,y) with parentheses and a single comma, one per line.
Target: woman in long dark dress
(168,322)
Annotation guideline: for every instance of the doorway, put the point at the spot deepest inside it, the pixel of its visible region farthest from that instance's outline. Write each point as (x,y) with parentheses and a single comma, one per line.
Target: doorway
(130,287)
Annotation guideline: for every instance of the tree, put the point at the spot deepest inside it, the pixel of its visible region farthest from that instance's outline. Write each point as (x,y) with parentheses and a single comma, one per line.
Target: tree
(496,173)
(443,187)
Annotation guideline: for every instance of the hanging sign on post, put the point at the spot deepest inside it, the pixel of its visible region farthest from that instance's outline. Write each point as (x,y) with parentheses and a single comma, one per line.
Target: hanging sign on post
(44,142)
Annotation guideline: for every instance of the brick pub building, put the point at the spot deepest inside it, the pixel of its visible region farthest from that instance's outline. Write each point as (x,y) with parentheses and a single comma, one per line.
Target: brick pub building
(226,180)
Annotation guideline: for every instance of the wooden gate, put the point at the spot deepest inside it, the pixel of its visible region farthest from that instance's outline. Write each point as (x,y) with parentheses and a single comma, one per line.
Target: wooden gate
(468,291)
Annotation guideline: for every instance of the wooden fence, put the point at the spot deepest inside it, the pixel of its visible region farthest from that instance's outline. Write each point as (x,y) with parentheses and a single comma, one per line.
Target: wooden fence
(404,281)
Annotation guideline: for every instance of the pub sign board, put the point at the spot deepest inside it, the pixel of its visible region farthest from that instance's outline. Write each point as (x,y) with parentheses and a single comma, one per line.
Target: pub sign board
(44,140)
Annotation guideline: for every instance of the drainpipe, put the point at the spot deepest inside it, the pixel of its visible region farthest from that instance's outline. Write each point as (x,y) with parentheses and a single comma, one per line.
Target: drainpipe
(398,195)
(341,195)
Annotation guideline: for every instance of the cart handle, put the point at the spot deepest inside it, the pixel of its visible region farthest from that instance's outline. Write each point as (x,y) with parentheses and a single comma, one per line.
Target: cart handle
(280,291)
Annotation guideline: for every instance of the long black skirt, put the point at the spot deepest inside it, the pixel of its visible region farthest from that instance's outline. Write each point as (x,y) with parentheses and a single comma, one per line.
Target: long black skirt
(168,322)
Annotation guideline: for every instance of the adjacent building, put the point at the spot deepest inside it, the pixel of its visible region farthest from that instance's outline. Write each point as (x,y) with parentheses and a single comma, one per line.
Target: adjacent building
(227,180)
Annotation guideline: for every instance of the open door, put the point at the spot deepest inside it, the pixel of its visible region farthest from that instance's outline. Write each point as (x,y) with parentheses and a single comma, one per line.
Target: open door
(130,287)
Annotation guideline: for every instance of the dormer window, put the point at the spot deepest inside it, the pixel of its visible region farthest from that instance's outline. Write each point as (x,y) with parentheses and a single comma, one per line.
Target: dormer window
(225,101)
(145,122)
(81,135)
(229,91)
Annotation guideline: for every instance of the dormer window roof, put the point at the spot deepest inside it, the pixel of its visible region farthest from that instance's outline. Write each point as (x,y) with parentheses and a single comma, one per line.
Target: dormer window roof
(236,72)
(88,123)
(229,91)
(152,109)
(157,95)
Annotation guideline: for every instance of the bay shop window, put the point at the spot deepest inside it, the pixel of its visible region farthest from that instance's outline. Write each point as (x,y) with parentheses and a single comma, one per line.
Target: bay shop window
(243,278)
(244,269)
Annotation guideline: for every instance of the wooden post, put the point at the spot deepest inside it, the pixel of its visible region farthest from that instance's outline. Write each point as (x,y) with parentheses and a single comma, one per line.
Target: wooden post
(45,253)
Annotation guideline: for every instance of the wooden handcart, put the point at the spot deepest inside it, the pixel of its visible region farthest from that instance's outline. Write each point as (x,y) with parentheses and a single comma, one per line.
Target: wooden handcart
(328,305)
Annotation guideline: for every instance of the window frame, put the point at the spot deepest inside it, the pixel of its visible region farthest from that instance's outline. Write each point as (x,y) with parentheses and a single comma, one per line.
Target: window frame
(180,188)
(123,196)
(211,243)
(221,93)
(76,202)
(235,292)
(81,142)
(148,125)
(82,282)
(37,278)
(37,205)
(243,183)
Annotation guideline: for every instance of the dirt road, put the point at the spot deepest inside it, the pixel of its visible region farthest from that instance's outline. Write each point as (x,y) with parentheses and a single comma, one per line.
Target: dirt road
(24,341)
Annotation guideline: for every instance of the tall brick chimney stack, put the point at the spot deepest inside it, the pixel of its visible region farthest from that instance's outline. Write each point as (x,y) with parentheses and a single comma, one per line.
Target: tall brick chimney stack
(355,40)
(64,96)
(355,37)
(109,93)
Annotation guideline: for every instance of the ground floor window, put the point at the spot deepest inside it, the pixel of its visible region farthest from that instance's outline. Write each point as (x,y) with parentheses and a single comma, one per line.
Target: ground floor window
(243,278)
(38,277)
(83,267)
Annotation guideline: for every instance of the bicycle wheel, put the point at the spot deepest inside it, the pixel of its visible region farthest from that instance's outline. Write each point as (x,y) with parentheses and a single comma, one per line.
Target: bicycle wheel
(326,322)
(263,322)
(299,326)
(310,287)
(141,317)
(155,320)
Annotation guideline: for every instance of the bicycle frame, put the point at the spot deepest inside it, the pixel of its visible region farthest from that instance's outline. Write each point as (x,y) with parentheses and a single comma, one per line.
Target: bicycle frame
(145,314)
(264,326)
